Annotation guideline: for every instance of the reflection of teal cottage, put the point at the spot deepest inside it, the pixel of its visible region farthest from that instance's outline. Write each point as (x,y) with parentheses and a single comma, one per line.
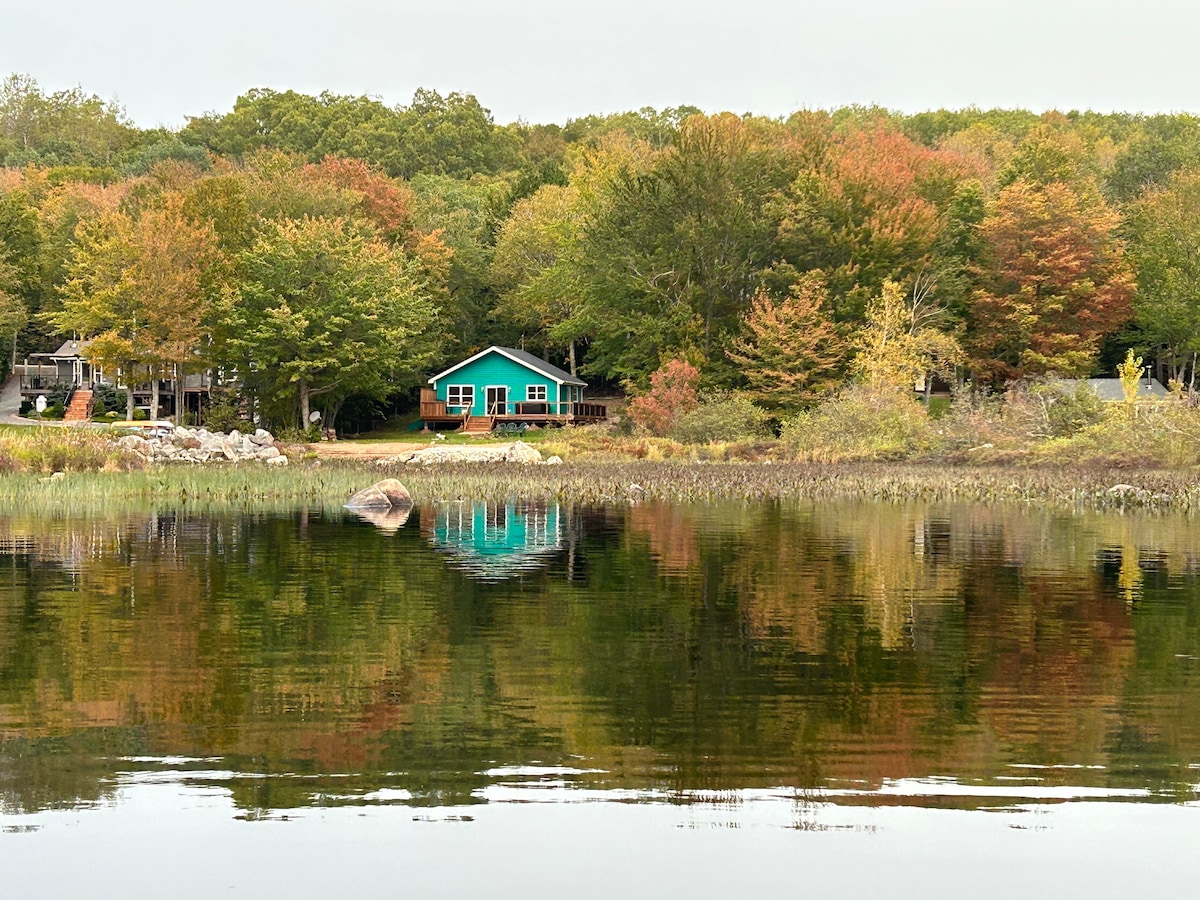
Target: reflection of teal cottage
(503,384)
(495,540)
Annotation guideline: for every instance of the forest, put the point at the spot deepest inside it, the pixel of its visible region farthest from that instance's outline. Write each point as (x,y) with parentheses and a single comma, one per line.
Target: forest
(334,251)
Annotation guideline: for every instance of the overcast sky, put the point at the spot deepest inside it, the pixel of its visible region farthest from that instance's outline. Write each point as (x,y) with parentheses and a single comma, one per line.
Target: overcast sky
(550,60)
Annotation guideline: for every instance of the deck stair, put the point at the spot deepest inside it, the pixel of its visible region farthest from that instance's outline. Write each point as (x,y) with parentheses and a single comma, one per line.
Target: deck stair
(479,425)
(80,407)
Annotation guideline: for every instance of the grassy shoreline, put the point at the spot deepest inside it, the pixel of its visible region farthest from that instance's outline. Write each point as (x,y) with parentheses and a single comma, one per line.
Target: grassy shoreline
(253,487)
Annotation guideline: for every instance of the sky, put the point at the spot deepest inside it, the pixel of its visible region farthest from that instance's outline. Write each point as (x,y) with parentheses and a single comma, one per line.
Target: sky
(552,60)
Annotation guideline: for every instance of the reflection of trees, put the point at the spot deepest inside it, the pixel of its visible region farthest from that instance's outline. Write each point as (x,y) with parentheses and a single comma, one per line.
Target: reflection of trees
(698,647)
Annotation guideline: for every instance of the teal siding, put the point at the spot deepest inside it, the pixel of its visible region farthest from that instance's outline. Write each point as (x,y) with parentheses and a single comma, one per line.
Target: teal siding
(495,370)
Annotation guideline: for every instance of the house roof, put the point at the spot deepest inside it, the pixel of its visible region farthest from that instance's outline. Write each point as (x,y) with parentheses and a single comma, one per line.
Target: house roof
(1110,389)
(68,350)
(528,360)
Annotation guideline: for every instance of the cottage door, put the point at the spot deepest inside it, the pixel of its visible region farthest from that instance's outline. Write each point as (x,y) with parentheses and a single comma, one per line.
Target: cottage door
(497,401)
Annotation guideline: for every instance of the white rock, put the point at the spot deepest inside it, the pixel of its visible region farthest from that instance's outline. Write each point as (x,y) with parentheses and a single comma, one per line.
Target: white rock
(278,461)
(522,453)
(554,461)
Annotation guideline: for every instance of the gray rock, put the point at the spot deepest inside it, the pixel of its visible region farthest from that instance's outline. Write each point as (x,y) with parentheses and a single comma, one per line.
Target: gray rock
(386,494)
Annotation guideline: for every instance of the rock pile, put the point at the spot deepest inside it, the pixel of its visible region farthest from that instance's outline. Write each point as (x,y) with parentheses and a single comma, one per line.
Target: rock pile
(199,445)
(516,452)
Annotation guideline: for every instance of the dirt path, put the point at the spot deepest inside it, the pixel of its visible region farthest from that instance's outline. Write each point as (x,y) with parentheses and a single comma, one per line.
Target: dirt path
(364,450)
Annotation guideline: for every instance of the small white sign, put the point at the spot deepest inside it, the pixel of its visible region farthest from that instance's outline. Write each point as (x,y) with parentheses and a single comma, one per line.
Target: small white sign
(40,404)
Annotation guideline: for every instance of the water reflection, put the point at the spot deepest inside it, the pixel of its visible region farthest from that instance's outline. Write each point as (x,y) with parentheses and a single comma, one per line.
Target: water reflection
(491,540)
(853,654)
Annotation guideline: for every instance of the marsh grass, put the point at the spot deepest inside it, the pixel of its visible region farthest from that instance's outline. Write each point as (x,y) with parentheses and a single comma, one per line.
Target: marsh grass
(690,482)
(55,449)
(241,487)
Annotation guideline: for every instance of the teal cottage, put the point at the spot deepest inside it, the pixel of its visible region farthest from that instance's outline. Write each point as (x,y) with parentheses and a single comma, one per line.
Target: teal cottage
(502,385)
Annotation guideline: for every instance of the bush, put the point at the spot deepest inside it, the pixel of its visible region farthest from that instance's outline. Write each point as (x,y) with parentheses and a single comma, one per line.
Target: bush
(721,418)
(674,391)
(224,413)
(54,411)
(862,422)
(1053,409)
(110,397)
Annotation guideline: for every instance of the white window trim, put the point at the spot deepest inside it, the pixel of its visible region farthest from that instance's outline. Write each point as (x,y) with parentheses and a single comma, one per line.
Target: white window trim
(463,391)
(541,396)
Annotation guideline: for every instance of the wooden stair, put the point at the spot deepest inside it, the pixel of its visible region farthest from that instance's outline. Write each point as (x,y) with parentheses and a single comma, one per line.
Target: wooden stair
(80,407)
(479,425)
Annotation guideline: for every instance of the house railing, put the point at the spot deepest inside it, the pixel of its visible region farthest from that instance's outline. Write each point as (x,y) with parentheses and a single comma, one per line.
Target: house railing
(35,378)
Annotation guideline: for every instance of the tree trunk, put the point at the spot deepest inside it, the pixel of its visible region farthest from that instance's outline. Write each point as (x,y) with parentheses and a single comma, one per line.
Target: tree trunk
(153,394)
(571,356)
(129,395)
(305,404)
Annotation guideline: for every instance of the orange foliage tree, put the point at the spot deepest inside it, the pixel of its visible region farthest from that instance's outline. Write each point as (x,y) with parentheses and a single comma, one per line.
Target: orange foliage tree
(867,209)
(792,352)
(1059,283)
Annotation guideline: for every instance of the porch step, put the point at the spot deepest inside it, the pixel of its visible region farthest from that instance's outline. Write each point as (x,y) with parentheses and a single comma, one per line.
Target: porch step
(80,407)
(479,425)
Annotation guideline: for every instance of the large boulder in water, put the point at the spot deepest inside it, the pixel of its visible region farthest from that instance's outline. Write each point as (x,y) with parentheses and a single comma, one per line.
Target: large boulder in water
(384,494)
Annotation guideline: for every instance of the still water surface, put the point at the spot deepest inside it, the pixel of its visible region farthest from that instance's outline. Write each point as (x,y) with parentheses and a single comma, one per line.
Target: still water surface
(545,700)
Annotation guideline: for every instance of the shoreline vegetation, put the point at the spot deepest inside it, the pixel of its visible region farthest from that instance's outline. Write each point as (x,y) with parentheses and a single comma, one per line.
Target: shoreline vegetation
(1120,456)
(253,487)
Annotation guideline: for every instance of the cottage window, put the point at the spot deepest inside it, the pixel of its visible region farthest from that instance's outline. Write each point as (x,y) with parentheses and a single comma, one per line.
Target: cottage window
(535,392)
(461,395)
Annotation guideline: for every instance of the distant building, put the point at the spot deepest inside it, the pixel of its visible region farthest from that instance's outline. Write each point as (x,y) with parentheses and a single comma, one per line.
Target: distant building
(1110,390)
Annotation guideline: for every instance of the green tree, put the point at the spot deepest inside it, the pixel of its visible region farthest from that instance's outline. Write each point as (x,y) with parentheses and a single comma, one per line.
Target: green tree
(673,244)
(1164,230)
(539,289)
(323,309)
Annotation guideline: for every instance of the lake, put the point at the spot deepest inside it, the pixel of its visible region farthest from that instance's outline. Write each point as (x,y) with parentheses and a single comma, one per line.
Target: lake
(538,699)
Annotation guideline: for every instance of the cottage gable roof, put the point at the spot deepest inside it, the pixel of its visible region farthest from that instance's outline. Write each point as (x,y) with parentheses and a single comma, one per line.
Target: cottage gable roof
(521,357)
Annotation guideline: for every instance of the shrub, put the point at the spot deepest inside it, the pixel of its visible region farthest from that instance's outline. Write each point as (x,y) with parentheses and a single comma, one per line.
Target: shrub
(224,413)
(862,422)
(674,391)
(54,411)
(721,418)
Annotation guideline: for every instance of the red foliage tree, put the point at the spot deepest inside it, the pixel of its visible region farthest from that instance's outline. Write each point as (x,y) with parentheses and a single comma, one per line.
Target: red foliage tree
(673,392)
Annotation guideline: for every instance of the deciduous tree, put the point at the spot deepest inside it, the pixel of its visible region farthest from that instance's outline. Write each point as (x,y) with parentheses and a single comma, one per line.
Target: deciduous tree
(1058,282)
(323,309)
(792,352)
